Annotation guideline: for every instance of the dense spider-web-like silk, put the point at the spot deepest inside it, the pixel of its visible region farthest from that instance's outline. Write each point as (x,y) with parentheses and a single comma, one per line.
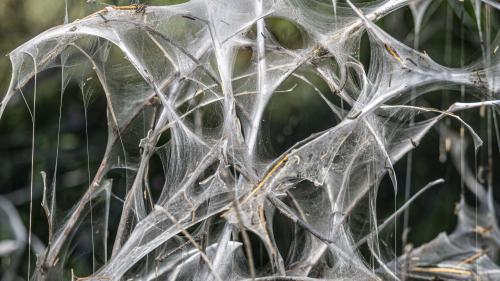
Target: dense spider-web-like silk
(179,65)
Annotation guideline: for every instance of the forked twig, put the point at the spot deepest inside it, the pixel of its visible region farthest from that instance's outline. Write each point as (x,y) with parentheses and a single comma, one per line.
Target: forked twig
(191,239)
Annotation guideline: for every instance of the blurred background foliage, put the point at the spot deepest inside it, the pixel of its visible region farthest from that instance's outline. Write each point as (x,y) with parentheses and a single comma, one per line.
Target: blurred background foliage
(449,36)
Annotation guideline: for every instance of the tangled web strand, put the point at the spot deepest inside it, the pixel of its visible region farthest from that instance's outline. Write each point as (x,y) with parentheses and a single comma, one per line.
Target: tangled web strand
(178,67)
